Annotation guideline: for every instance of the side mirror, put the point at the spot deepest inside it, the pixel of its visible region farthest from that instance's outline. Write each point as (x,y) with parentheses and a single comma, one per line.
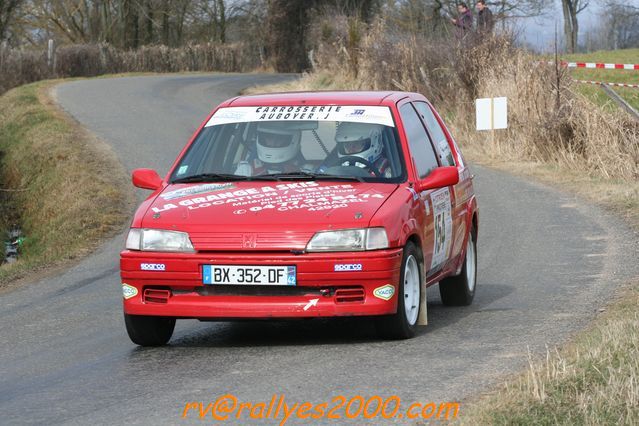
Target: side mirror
(438,178)
(146,179)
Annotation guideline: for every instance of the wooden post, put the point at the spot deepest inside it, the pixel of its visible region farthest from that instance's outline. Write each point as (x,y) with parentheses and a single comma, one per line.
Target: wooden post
(620,101)
(493,142)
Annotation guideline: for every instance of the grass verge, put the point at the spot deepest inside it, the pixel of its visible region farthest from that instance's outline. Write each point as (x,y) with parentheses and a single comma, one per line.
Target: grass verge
(596,93)
(62,186)
(591,380)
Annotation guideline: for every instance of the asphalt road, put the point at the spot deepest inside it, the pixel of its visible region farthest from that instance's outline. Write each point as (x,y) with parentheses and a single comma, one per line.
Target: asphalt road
(547,262)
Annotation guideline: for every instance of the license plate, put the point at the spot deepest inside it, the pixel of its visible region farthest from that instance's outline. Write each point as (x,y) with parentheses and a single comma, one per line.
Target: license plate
(249,275)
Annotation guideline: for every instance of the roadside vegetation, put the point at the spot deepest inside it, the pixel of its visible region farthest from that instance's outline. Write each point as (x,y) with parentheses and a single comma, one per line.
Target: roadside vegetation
(556,135)
(18,66)
(64,188)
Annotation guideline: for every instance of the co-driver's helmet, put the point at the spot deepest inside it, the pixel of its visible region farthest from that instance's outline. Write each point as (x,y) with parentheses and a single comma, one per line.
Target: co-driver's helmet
(362,140)
(276,143)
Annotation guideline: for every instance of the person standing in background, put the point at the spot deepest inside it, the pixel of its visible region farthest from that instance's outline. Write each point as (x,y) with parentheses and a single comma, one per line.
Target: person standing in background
(485,21)
(464,21)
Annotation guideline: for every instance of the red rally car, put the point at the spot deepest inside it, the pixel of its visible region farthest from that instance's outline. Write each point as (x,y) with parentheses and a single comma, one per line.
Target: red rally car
(301,205)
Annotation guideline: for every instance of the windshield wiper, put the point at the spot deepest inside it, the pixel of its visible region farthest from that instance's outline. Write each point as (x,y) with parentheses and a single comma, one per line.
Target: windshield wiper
(210,177)
(300,175)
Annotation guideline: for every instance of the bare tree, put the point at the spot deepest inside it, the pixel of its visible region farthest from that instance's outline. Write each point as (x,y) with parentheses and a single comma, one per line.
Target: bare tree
(209,18)
(431,16)
(622,24)
(8,8)
(571,8)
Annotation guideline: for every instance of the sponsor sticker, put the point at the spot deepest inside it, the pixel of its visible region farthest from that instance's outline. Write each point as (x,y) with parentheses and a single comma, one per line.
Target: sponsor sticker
(298,196)
(384,292)
(194,190)
(414,193)
(347,267)
(152,266)
(128,291)
(359,114)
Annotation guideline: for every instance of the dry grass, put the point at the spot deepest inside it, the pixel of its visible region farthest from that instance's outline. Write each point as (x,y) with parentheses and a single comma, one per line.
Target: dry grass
(549,121)
(567,142)
(67,187)
(592,381)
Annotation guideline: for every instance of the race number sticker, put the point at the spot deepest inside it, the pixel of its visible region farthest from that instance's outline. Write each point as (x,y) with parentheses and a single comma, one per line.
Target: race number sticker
(443,226)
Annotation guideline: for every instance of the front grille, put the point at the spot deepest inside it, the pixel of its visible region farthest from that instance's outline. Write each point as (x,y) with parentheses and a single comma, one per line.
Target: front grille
(258,241)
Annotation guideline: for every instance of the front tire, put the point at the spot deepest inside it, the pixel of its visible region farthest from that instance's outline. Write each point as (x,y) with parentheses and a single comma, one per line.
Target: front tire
(403,324)
(460,290)
(149,331)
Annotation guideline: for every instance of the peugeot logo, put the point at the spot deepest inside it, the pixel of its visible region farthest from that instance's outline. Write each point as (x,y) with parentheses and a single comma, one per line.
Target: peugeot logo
(249,240)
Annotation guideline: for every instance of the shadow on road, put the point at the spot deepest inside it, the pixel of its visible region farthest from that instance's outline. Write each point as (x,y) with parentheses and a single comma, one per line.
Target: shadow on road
(338,331)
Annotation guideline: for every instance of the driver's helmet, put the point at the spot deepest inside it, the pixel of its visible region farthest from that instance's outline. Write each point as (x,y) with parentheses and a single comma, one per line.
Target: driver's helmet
(276,143)
(362,140)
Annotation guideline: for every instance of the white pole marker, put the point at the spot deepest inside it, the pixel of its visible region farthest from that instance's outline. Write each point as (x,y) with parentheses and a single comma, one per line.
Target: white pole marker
(491,113)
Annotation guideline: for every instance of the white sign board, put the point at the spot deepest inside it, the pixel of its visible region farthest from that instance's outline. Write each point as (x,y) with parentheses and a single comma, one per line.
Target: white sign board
(491,113)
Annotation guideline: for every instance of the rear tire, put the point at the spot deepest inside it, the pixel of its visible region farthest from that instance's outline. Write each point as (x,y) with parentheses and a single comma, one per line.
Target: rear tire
(460,290)
(149,331)
(403,324)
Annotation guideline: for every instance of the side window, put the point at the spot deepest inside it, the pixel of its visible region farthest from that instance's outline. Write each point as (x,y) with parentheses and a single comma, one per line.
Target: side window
(439,137)
(420,148)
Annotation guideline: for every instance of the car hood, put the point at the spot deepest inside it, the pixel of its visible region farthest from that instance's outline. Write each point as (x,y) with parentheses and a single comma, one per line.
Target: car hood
(263,215)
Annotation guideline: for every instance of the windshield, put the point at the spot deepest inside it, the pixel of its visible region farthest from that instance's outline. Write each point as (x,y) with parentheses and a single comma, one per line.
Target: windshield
(259,146)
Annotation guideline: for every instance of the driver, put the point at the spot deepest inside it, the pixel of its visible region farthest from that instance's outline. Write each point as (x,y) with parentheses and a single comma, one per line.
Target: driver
(362,140)
(278,151)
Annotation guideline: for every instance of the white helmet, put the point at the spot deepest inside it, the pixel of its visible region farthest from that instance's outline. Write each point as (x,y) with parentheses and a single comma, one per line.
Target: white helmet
(360,140)
(276,143)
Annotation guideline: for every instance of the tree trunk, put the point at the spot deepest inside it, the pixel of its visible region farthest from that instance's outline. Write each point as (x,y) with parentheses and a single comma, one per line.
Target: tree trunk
(570,19)
(221,9)
(575,31)
(148,23)
(165,22)
(286,23)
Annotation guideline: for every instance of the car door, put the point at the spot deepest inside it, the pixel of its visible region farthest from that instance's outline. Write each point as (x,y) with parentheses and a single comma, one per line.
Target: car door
(437,205)
(446,152)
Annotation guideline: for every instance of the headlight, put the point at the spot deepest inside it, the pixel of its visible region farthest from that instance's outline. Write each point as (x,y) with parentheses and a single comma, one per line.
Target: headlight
(158,240)
(349,240)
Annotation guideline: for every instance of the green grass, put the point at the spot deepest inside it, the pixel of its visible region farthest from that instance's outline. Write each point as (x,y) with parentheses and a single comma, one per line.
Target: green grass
(67,189)
(621,56)
(595,93)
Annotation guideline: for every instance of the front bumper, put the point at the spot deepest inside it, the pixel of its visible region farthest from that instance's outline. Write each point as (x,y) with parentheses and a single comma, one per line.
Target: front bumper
(178,290)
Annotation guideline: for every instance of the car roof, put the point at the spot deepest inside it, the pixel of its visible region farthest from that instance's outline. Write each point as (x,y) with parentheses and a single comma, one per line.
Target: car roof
(322,98)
